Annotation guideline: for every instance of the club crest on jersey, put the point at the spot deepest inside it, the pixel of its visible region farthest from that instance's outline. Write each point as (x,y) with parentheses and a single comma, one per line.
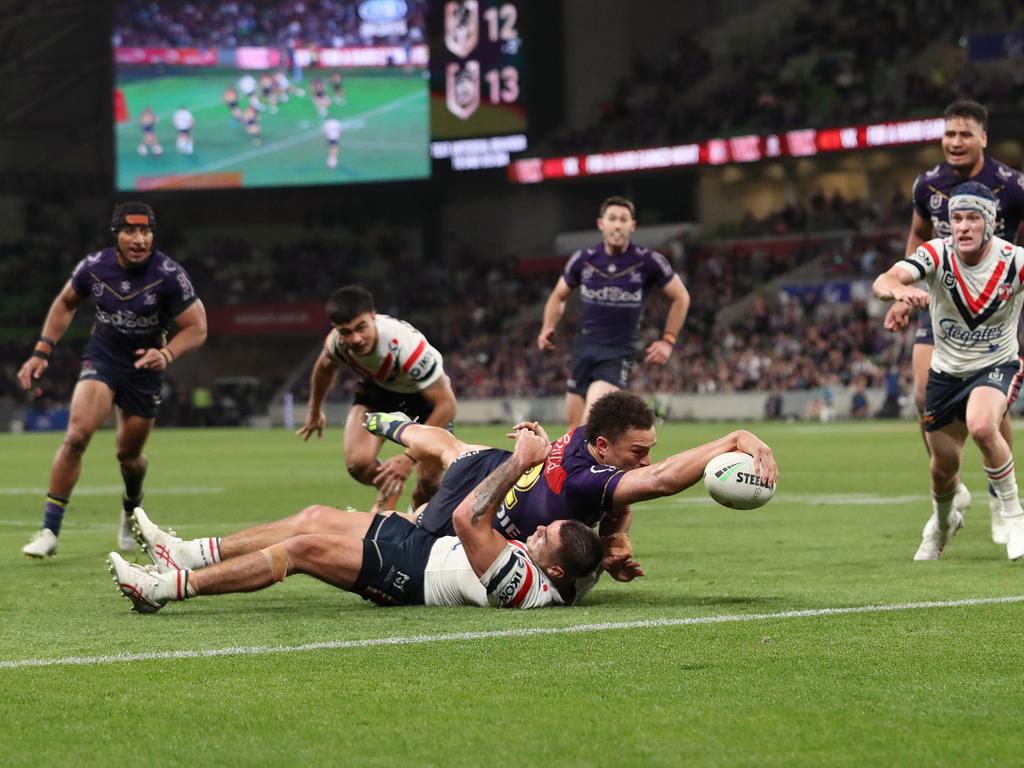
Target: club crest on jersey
(125,286)
(588,272)
(636,277)
(149,299)
(1005,292)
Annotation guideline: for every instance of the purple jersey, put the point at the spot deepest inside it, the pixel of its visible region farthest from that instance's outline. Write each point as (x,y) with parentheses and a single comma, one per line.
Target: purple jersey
(133,307)
(933,187)
(613,290)
(570,485)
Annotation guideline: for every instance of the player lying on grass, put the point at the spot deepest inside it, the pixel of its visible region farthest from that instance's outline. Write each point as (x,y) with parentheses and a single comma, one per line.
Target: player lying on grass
(393,563)
(580,478)
(593,473)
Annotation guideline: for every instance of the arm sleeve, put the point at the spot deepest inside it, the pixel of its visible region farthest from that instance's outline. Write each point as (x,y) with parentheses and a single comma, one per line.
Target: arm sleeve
(923,262)
(80,278)
(182,294)
(919,193)
(332,346)
(573,269)
(420,361)
(513,580)
(661,272)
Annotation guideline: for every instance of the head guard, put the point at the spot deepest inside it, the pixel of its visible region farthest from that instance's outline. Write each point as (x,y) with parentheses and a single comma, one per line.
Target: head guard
(132,214)
(972,196)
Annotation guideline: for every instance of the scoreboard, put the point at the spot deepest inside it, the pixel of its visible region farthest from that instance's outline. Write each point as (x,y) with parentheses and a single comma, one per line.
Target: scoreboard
(478,104)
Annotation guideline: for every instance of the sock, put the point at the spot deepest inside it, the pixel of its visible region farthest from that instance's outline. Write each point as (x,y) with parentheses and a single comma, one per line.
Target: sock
(53,512)
(132,489)
(198,553)
(392,428)
(174,585)
(943,506)
(1004,481)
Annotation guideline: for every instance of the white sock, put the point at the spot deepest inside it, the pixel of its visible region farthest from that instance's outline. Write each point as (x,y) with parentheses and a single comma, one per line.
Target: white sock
(197,553)
(1004,480)
(942,504)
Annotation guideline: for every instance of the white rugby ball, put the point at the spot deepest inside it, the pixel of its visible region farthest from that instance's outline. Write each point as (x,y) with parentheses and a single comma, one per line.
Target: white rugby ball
(732,481)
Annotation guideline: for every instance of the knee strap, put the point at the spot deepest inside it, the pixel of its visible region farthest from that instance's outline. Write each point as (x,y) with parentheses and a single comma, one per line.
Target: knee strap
(277,560)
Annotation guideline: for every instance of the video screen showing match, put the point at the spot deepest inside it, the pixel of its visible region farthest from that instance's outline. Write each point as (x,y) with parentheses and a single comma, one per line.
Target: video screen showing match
(214,93)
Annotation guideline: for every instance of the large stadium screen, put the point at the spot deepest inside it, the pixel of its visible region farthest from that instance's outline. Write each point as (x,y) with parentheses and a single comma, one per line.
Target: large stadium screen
(216,93)
(478,99)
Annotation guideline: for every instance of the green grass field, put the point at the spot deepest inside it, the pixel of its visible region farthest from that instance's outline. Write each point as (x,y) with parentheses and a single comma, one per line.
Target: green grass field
(703,662)
(386,135)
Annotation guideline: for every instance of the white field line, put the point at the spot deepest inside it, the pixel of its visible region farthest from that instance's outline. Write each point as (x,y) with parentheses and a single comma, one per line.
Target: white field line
(261,650)
(107,490)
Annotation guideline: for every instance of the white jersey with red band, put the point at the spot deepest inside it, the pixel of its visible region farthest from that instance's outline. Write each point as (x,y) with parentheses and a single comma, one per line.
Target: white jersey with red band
(975,309)
(512,581)
(402,360)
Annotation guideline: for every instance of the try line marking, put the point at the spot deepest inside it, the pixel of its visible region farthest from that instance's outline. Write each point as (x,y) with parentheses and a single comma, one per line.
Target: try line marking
(260,650)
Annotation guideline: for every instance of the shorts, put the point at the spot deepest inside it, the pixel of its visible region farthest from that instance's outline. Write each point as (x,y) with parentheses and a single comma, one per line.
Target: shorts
(588,365)
(463,475)
(923,334)
(374,398)
(946,395)
(395,555)
(136,393)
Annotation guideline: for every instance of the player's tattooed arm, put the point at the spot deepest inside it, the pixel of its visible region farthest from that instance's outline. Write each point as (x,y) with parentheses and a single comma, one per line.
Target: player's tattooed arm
(492,490)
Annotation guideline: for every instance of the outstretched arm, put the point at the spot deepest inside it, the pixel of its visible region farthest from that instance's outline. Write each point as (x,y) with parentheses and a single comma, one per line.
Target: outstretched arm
(677,473)
(895,284)
(62,310)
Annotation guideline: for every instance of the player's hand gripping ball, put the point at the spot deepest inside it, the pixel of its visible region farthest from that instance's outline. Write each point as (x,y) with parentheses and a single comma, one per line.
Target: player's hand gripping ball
(732,480)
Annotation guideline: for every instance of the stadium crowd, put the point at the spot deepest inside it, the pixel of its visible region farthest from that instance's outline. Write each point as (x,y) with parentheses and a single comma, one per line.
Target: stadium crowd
(486,326)
(230,24)
(828,65)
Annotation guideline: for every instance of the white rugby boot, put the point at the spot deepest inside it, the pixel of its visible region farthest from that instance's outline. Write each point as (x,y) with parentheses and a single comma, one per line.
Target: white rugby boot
(160,545)
(963,498)
(42,544)
(140,585)
(995,508)
(935,536)
(125,537)
(1013,525)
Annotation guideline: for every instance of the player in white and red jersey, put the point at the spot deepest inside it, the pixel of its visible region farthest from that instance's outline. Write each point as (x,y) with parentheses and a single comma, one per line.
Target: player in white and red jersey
(331,130)
(976,281)
(392,563)
(184,122)
(399,371)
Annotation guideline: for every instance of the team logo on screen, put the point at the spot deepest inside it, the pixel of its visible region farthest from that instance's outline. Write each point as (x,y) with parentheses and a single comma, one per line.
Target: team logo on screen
(462,89)
(461,27)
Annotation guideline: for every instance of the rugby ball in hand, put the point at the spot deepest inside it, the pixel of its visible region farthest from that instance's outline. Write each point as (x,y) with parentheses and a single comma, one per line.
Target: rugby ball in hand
(732,480)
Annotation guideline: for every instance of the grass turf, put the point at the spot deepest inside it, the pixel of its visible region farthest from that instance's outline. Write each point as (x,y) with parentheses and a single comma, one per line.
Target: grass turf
(904,687)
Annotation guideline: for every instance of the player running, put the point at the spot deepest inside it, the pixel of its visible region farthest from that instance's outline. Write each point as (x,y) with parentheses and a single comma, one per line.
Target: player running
(614,278)
(149,143)
(963,145)
(137,294)
(976,297)
(183,122)
(230,99)
(398,370)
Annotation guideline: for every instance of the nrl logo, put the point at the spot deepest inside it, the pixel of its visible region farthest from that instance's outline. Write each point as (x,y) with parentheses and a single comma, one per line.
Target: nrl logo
(461,27)
(462,89)
(935,201)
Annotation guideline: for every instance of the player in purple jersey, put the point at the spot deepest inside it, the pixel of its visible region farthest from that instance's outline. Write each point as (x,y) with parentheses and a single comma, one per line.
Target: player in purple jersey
(592,474)
(614,278)
(382,558)
(963,146)
(137,294)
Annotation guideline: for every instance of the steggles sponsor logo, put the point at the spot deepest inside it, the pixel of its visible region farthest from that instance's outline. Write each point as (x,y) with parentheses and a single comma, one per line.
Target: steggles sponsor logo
(955,332)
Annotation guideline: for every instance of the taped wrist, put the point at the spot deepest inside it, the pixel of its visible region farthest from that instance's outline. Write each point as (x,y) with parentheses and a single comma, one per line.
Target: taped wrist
(277,561)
